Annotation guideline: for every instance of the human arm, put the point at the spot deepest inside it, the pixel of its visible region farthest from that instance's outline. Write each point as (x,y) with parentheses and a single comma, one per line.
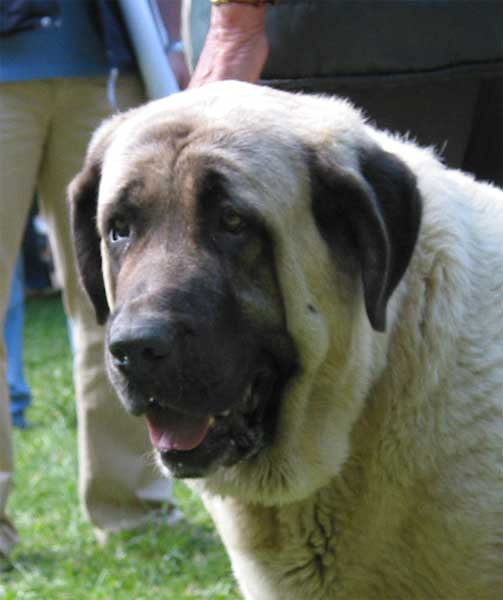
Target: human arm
(236,46)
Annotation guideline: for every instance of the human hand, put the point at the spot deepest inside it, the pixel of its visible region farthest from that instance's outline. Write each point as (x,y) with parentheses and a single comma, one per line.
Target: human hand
(236,46)
(180,69)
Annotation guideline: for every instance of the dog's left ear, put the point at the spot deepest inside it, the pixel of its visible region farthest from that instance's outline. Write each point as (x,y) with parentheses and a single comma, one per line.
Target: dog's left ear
(373,213)
(83,200)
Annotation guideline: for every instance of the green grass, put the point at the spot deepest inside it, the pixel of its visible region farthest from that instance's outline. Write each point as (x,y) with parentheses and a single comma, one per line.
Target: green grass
(58,557)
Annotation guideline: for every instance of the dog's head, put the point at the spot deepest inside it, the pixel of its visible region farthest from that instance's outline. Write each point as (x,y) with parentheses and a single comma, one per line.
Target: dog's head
(229,237)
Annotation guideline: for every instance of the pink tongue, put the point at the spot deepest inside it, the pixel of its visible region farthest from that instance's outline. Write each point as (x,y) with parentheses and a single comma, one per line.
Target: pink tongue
(170,430)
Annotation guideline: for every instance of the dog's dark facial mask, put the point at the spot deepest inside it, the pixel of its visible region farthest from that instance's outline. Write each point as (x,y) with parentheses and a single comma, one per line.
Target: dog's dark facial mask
(197,339)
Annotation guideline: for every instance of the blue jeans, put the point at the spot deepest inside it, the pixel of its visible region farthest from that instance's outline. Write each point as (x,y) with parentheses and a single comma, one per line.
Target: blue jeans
(20,393)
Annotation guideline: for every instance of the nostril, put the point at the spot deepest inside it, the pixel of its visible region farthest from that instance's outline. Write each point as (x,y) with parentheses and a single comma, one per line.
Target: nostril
(137,349)
(119,354)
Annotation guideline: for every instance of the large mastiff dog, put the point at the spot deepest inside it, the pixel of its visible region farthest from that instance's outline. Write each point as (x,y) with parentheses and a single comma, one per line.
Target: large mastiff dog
(309,314)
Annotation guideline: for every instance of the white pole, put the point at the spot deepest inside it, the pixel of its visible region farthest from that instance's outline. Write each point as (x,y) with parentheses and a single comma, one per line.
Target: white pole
(150,41)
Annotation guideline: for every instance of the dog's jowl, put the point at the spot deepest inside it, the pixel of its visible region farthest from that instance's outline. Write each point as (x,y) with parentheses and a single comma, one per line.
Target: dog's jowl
(307,313)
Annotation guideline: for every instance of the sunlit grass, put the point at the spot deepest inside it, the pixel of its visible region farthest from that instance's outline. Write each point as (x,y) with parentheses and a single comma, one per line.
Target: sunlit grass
(58,557)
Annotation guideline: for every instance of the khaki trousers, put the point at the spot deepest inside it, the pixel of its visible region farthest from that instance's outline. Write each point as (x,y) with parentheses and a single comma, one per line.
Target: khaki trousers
(45,127)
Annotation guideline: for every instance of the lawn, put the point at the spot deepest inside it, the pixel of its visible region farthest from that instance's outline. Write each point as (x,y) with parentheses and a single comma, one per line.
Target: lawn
(58,557)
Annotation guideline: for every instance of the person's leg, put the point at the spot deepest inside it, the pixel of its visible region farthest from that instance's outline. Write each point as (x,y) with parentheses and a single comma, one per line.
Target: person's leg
(119,485)
(462,119)
(484,154)
(36,267)
(8,535)
(433,114)
(19,391)
(21,139)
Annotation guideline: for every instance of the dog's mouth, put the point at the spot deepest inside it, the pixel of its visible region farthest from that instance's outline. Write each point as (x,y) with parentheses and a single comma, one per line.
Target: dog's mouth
(192,445)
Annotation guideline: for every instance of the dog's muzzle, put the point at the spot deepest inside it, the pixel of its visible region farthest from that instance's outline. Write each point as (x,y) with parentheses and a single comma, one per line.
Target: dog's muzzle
(206,388)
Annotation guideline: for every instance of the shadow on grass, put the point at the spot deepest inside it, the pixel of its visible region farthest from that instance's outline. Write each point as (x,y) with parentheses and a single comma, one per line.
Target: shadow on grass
(181,543)
(29,563)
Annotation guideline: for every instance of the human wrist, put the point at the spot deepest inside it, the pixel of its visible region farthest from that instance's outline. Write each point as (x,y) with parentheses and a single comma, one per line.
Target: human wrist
(236,46)
(236,19)
(249,2)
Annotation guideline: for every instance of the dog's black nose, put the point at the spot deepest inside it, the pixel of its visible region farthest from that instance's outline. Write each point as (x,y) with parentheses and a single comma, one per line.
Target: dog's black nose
(138,349)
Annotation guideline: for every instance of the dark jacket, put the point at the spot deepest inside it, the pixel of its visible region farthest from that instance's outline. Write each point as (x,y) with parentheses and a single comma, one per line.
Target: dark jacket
(324,42)
(19,15)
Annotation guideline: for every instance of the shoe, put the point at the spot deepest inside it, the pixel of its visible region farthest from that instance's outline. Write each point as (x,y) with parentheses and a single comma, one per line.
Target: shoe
(102,536)
(174,516)
(19,421)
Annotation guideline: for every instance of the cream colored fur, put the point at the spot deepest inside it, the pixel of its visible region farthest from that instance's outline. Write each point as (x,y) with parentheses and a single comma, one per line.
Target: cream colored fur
(386,477)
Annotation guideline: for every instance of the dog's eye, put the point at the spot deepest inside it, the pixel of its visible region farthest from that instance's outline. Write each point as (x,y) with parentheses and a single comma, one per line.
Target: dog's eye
(231,221)
(119,230)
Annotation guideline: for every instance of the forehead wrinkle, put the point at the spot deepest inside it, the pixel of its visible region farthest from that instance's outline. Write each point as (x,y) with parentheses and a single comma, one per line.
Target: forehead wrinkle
(169,189)
(164,162)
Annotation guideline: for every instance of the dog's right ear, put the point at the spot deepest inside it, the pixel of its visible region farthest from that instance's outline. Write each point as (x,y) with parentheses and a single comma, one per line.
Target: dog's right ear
(83,199)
